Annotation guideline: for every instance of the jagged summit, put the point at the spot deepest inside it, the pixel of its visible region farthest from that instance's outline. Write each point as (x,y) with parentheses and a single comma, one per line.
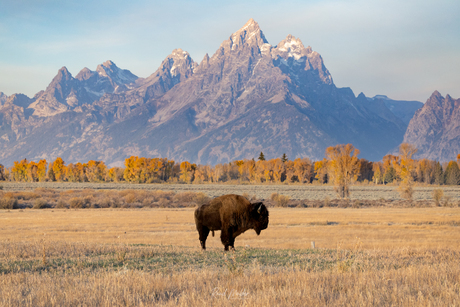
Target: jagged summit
(293,46)
(250,35)
(84,74)
(63,74)
(436,96)
(106,68)
(109,64)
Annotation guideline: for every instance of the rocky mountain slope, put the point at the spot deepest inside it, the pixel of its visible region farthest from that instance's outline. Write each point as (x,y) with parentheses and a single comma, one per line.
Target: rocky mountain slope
(249,96)
(435,128)
(3,98)
(403,109)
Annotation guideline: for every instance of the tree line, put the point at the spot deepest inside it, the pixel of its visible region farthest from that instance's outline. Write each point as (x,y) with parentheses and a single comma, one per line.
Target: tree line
(341,167)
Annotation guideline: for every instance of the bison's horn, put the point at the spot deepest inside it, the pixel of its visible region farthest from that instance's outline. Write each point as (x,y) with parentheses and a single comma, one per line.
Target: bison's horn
(259,209)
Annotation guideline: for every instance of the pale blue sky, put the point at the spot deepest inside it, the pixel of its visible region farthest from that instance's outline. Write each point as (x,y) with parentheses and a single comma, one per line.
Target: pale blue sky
(402,49)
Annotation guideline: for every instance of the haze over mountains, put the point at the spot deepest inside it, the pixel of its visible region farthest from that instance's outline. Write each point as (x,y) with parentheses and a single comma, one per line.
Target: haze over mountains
(249,96)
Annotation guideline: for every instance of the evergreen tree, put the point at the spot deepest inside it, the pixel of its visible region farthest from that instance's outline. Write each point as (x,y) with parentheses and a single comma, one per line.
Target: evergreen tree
(261,157)
(452,174)
(390,175)
(438,174)
(284,158)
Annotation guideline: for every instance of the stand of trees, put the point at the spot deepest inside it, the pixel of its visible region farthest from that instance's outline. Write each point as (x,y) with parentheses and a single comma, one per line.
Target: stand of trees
(341,167)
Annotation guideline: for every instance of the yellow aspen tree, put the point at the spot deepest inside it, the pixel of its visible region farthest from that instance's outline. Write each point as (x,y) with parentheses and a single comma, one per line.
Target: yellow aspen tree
(80,172)
(200,174)
(156,167)
(95,171)
(130,173)
(290,170)
(268,170)
(70,173)
(259,171)
(41,170)
(405,168)
(321,171)
(32,172)
(114,174)
(302,169)
(140,170)
(377,168)
(344,166)
(59,169)
(279,170)
(186,170)
(251,169)
(19,170)
(169,166)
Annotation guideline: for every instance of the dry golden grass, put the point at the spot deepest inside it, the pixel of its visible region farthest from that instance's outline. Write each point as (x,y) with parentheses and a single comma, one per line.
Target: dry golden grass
(151,257)
(288,228)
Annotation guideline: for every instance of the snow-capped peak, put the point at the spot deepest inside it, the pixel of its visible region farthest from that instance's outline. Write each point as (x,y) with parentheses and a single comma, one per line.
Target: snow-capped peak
(179,58)
(250,33)
(119,76)
(293,47)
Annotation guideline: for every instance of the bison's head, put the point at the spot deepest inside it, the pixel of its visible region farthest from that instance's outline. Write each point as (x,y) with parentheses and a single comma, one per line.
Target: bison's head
(259,215)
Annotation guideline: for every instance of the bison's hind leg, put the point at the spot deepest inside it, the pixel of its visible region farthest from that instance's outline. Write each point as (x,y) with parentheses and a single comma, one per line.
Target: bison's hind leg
(203,231)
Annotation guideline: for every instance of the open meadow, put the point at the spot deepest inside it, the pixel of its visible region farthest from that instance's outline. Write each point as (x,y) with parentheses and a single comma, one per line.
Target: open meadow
(377,256)
(262,191)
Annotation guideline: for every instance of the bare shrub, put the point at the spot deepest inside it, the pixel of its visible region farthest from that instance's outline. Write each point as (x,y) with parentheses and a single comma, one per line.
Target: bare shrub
(8,203)
(61,204)
(76,203)
(164,203)
(45,192)
(201,198)
(88,201)
(406,190)
(130,198)
(280,200)
(26,195)
(117,202)
(437,195)
(106,202)
(40,203)
(447,202)
(123,193)
(249,197)
(159,194)
(184,197)
(147,202)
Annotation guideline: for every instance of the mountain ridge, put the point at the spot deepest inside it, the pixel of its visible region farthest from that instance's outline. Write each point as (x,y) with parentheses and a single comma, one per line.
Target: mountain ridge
(249,96)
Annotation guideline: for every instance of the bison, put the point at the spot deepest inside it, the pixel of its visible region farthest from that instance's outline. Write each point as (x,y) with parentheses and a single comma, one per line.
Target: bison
(233,215)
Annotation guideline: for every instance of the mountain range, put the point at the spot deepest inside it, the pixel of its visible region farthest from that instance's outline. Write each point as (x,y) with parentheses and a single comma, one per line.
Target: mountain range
(249,96)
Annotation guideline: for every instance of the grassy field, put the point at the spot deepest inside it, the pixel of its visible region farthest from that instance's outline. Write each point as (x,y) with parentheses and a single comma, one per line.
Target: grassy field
(294,191)
(151,257)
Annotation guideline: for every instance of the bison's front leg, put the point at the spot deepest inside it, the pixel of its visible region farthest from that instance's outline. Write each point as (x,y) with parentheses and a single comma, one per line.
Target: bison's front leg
(203,232)
(226,236)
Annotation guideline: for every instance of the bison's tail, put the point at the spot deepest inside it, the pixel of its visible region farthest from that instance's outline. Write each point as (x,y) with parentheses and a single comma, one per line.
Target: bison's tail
(212,233)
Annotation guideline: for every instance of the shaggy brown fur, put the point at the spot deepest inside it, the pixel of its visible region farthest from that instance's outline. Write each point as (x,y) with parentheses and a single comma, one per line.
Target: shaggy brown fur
(233,215)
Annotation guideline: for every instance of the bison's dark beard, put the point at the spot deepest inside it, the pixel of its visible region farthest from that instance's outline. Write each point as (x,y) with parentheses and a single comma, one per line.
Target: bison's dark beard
(258,231)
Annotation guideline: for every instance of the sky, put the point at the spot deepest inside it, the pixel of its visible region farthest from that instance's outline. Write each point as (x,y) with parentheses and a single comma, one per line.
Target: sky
(403,49)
